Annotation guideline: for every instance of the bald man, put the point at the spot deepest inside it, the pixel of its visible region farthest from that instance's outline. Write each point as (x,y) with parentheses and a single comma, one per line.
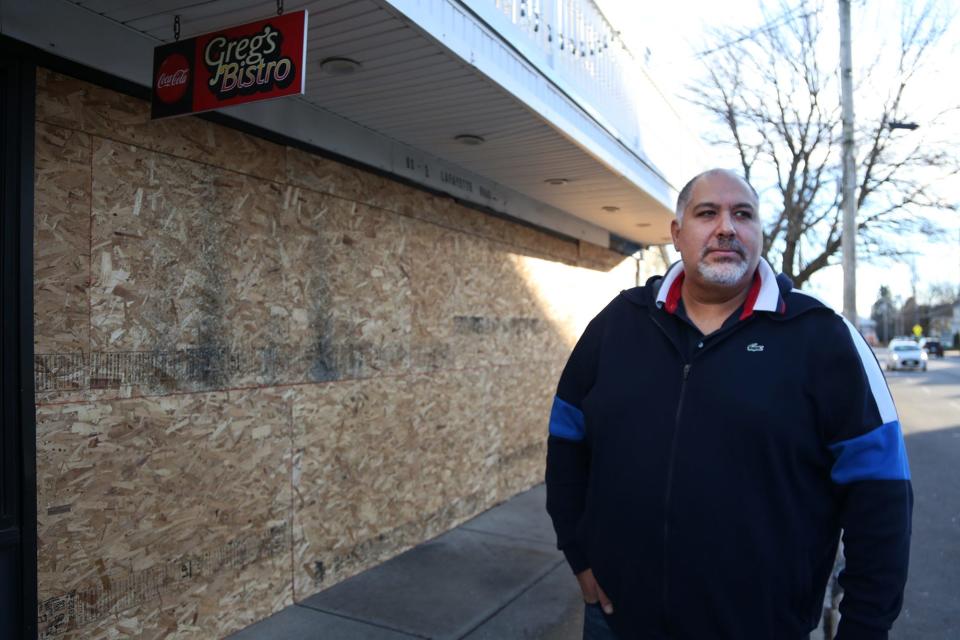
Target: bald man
(712,433)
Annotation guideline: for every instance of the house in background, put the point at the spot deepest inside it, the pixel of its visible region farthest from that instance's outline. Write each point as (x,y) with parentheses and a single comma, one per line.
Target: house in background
(251,353)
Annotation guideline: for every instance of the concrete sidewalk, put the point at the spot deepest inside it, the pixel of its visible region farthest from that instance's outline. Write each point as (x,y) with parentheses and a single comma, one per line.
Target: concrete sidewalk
(498,576)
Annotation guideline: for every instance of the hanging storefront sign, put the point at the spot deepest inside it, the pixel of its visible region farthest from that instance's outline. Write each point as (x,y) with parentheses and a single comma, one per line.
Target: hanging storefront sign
(256,61)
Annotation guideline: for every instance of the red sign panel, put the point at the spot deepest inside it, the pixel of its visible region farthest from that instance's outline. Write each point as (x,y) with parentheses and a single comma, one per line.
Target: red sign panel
(251,62)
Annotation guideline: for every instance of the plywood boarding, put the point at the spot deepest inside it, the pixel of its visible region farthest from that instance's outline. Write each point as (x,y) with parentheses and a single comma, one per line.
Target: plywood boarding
(91,109)
(61,241)
(262,371)
(157,515)
(384,464)
(265,282)
(327,176)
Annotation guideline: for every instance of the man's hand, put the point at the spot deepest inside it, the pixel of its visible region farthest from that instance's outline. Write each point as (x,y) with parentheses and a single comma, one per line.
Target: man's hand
(592,591)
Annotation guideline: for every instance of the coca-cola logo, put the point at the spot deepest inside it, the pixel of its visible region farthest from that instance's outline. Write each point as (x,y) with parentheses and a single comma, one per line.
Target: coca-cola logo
(173,78)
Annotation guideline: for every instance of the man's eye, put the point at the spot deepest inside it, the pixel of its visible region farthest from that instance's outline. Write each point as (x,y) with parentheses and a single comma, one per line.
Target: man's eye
(706,212)
(745,214)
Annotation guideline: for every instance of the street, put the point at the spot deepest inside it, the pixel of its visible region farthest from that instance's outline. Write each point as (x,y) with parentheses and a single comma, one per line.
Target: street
(929,407)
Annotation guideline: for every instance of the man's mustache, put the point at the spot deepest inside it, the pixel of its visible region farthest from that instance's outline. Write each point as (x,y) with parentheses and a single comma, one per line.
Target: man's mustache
(726,244)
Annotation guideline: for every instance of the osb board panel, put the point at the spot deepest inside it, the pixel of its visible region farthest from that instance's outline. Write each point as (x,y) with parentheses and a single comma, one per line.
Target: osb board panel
(525,396)
(205,278)
(220,261)
(191,258)
(351,265)
(61,239)
(74,104)
(342,296)
(434,261)
(158,515)
(472,306)
(159,250)
(383,464)
(323,175)
(458,431)
(367,304)
(354,476)
(597,257)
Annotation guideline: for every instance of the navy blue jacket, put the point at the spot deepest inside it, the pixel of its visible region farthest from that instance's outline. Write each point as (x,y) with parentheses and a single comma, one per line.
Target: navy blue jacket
(707,494)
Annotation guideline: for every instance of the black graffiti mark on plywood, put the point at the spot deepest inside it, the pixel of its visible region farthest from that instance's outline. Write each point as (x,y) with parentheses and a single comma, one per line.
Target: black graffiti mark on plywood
(60,371)
(108,370)
(209,368)
(487,326)
(111,596)
(350,360)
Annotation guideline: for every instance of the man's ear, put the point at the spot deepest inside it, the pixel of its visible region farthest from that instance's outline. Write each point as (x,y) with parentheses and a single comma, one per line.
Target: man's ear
(674,231)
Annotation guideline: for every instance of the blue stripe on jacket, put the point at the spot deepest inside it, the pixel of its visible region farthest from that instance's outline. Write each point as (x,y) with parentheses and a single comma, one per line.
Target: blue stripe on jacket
(877,455)
(566,421)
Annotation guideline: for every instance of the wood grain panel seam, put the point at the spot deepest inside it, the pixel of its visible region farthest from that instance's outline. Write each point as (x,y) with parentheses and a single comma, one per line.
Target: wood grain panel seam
(90,254)
(291,385)
(292,511)
(163,153)
(537,252)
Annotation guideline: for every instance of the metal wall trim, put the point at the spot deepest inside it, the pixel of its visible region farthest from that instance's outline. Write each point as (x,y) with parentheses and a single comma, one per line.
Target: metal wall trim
(19,416)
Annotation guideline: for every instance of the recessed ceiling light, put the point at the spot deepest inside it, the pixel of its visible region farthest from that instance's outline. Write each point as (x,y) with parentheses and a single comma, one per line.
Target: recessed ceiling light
(339,66)
(610,208)
(557,181)
(469,139)
(643,224)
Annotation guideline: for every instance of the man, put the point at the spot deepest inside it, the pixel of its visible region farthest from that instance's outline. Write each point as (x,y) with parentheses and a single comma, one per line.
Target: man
(712,433)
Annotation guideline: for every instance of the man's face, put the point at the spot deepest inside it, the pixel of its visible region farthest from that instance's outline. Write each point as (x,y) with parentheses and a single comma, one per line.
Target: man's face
(721,236)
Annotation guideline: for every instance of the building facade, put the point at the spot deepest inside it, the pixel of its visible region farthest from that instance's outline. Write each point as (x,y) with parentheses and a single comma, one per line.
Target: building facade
(263,358)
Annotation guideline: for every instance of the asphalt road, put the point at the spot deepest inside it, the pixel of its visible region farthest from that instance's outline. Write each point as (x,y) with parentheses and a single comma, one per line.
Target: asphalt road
(929,407)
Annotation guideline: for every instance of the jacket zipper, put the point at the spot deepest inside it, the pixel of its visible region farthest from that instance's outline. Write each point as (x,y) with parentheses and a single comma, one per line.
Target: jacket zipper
(669,488)
(673,450)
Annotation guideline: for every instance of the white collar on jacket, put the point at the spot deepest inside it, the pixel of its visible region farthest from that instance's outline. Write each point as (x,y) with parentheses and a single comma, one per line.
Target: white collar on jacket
(768,299)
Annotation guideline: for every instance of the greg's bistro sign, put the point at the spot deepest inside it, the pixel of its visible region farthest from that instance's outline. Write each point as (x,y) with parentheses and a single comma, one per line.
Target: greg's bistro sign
(255,61)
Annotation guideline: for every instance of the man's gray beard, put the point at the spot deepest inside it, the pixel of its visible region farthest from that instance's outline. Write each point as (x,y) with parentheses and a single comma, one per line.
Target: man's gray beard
(725,274)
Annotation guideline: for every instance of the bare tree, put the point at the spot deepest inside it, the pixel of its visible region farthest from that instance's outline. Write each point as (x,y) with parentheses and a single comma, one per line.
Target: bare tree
(774,92)
(941,293)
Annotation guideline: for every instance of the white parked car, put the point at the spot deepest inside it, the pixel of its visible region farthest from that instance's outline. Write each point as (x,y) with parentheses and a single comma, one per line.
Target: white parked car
(906,354)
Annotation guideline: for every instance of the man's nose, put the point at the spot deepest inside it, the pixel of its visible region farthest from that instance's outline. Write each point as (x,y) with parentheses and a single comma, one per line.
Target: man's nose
(725,224)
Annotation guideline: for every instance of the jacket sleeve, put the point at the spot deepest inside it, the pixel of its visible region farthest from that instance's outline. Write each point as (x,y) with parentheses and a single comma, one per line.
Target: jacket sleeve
(568,454)
(872,480)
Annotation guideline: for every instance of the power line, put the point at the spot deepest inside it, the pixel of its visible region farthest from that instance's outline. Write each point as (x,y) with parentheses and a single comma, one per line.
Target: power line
(770,24)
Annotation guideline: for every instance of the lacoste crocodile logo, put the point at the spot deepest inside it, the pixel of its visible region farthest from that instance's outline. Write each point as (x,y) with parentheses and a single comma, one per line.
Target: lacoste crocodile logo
(753,346)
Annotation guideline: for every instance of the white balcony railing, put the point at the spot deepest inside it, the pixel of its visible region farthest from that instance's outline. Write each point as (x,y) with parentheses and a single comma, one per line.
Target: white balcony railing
(583,49)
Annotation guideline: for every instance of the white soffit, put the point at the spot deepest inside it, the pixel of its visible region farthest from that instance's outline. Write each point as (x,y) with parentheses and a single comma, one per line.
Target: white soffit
(431,70)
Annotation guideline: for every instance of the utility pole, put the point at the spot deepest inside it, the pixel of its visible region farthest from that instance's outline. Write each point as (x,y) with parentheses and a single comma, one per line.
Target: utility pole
(849,238)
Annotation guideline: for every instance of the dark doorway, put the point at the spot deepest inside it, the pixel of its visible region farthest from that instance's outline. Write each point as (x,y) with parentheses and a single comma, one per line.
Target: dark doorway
(18,511)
